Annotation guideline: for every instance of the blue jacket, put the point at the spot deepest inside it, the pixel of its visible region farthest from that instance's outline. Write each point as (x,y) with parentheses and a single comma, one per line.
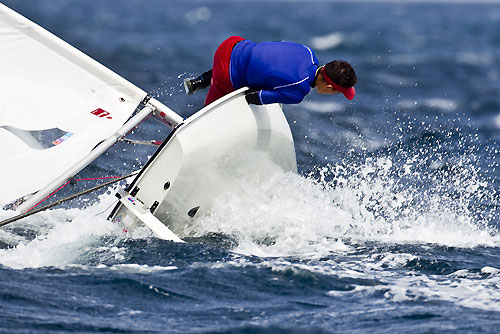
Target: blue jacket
(283,71)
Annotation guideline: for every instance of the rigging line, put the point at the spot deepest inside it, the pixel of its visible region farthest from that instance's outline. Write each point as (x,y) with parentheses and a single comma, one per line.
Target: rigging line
(72,181)
(97,178)
(24,215)
(112,204)
(137,125)
(142,142)
(161,120)
(48,196)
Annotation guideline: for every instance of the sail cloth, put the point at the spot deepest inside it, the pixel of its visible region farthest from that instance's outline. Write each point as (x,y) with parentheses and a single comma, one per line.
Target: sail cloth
(56,105)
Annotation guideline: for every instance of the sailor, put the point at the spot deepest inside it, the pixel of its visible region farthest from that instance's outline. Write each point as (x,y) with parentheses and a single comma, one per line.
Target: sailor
(275,72)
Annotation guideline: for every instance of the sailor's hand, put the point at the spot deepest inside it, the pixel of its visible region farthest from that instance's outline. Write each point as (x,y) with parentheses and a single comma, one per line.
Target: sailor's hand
(252,96)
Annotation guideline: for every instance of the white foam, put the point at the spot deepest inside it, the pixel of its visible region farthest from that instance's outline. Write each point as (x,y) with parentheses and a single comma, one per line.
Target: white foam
(64,244)
(466,292)
(323,107)
(280,213)
(199,14)
(311,218)
(308,218)
(496,121)
(140,269)
(490,270)
(474,58)
(296,216)
(329,41)
(392,79)
(64,237)
(462,287)
(445,105)
(290,215)
(408,104)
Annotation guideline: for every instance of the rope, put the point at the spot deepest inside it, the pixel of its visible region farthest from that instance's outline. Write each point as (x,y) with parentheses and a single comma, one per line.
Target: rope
(72,181)
(161,120)
(48,196)
(27,214)
(142,142)
(137,125)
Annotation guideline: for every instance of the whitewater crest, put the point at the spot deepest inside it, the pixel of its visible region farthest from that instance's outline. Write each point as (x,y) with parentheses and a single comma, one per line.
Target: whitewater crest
(329,210)
(376,200)
(62,237)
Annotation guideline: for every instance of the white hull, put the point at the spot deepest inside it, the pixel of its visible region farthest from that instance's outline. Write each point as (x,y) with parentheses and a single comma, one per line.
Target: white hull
(208,154)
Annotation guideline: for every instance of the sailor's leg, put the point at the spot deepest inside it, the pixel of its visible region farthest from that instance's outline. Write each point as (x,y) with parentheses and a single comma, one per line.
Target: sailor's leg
(215,92)
(193,85)
(218,78)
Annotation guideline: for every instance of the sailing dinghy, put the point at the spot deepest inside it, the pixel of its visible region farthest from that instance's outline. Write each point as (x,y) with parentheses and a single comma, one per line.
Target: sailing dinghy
(60,110)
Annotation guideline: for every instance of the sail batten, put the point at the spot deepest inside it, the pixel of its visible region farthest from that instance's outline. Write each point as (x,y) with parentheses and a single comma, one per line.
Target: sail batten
(47,84)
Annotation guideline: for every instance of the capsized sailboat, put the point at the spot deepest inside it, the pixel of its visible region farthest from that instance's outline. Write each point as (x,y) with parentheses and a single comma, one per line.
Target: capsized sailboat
(61,110)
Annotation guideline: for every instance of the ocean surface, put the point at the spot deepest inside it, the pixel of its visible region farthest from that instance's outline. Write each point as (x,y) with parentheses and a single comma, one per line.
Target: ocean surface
(391,225)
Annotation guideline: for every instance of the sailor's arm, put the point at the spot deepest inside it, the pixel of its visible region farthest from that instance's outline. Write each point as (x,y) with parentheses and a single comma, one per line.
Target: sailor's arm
(274,96)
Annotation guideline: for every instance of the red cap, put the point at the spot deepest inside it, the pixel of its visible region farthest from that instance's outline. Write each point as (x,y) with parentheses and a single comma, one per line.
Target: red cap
(348,92)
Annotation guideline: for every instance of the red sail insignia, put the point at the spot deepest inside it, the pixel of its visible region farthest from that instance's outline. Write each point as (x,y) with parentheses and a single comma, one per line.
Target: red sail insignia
(101,113)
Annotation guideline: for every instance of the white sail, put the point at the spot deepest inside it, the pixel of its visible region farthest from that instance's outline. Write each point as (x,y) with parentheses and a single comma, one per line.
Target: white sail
(56,105)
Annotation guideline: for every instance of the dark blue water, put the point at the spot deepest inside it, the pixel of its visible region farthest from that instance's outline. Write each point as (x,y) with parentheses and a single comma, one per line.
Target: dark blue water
(391,226)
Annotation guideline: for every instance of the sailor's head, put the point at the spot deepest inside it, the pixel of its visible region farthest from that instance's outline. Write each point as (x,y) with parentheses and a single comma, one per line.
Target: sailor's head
(336,77)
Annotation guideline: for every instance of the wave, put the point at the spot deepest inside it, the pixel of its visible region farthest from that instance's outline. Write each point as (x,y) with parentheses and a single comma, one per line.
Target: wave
(326,42)
(61,237)
(305,216)
(444,105)
(320,107)
(301,216)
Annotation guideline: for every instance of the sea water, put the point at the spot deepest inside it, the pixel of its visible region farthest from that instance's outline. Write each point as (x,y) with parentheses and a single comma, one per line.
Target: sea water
(391,225)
